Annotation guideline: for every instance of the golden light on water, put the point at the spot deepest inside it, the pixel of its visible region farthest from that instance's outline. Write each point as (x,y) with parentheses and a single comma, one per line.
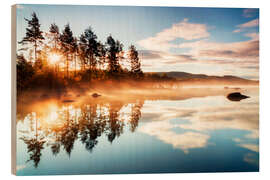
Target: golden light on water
(54,58)
(52,114)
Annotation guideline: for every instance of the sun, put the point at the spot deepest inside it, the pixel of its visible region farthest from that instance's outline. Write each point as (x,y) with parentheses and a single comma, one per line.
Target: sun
(53,58)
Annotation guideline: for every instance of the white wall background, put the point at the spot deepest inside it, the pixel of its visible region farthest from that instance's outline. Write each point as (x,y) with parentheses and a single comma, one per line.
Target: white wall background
(5,86)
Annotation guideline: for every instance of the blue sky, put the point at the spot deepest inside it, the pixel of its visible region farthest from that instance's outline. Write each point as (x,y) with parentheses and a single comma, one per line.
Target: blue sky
(164,35)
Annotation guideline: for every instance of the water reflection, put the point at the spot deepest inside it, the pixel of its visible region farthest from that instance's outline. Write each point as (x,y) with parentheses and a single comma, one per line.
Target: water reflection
(34,140)
(193,121)
(60,125)
(181,122)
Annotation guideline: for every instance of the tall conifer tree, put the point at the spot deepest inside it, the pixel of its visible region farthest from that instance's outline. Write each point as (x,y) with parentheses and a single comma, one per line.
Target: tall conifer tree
(33,33)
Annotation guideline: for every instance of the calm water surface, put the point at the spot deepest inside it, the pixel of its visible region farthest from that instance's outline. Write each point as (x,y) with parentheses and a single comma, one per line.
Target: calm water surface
(138,135)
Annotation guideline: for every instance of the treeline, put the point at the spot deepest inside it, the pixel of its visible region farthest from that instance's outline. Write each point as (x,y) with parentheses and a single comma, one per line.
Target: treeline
(56,59)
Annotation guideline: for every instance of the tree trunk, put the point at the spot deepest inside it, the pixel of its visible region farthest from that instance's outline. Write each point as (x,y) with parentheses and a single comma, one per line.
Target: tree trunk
(36,129)
(67,66)
(35,51)
(75,63)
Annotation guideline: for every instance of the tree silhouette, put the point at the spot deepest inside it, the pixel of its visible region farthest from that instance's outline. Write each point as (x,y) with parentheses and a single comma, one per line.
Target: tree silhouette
(75,50)
(67,45)
(33,33)
(89,48)
(24,72)
(135,115)
(54,31)
(56,144)
(55,148)
(68,137)
(54,36)
(102,55)
(134,61)
(34,143)
(114,49)
(69,133)
(115,125)
(34,146)
(89,129)
(100,62)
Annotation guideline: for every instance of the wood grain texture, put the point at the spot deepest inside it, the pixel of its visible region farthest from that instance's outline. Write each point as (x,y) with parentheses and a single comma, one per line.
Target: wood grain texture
(13,88)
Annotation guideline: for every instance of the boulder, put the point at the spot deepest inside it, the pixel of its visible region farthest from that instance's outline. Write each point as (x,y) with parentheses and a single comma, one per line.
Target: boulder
(68,101)
(236,96)
(95,95)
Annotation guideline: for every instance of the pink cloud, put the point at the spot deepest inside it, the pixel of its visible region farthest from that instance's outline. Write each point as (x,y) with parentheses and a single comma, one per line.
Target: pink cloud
(185,30)
(253,36)
(250,24)
(165,57)
(231,51)
(242,56)
(218,61)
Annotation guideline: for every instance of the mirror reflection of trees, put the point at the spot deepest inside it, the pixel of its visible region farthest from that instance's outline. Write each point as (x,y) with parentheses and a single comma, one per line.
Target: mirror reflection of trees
(85,124)
(34,140)
(92,124)
(135,115)
(115,124)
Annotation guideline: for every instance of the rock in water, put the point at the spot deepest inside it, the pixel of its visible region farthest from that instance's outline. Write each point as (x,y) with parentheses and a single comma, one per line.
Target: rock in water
(95,95)
(68,101)
(236,96)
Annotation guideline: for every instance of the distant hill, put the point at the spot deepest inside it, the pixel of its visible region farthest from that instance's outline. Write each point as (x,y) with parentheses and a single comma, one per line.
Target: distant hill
(203,79)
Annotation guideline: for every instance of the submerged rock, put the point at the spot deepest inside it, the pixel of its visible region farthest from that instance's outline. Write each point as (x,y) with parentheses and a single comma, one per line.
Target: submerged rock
(95,95)
(68,101)
(236,96)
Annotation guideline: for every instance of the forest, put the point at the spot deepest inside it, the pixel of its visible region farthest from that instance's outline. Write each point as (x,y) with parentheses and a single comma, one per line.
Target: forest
(57,59)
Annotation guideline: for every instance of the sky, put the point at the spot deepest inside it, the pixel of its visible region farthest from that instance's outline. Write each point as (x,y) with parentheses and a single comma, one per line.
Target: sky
(212,41)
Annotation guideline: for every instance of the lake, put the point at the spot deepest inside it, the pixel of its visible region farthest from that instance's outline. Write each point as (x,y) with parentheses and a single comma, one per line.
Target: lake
(190,130)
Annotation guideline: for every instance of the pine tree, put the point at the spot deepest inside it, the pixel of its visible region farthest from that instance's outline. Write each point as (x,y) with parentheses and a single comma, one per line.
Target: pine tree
(74,50)
(67,44)
(54,31)
(89,48)
(33,33)
(54,36)
(102,54)
(114,49)
(134,60)
(24,72)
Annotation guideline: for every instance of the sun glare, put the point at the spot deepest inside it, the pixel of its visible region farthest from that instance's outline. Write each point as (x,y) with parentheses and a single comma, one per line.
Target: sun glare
(52,115)
(54,58)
